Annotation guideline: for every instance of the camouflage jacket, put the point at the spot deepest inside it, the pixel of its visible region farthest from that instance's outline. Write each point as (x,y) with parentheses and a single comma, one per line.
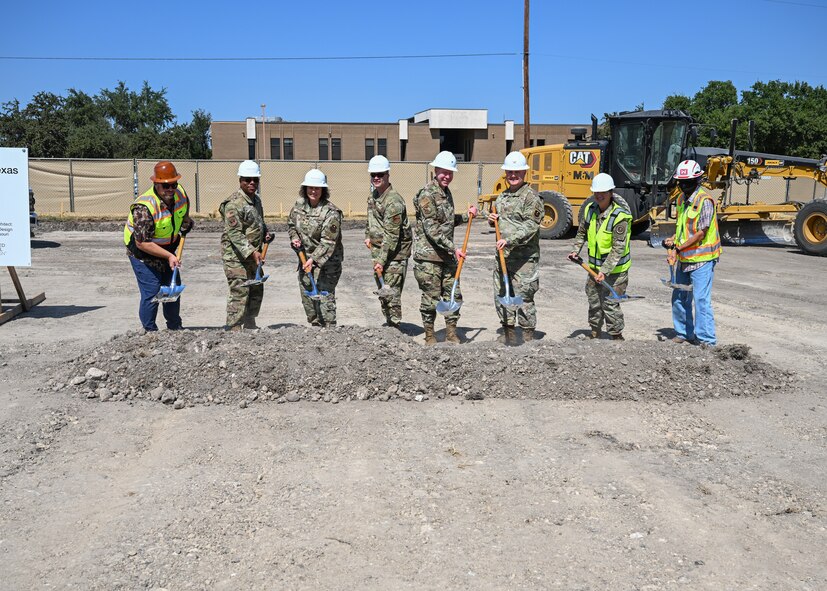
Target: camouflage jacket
(520,212)
(244,227)
(435,222)
(319,229)
(618,236)
(387,227)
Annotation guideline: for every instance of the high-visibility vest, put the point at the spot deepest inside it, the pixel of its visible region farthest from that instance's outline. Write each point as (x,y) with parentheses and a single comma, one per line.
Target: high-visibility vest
(167,224)
(709,248)
(600,238)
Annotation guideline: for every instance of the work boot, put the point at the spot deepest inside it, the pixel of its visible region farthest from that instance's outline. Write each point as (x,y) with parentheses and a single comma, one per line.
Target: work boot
(430,337)
(451,332)
(233,328)
(528,335)
(509,336)
(595,334)
(618,337)
(678,340)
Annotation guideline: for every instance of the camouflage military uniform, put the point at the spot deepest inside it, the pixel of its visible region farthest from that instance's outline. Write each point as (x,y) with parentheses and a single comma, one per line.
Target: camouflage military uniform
(244,232)
(600,306)
(320,231)
(520,214)
(390,238)
(434,250)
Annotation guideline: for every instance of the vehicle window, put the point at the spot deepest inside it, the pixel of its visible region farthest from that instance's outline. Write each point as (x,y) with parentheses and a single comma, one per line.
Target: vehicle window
(629,149)
(667,147)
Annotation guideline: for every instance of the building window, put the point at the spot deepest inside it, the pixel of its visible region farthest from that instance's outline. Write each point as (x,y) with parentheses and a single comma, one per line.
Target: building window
(323,148)
(383,147)
(535,143)
(336,148)
(288,148)
(369,148)
(275,148)
(251,149)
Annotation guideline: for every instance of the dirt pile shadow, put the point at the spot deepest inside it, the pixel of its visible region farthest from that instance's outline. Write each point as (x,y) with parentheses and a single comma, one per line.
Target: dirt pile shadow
(288,364)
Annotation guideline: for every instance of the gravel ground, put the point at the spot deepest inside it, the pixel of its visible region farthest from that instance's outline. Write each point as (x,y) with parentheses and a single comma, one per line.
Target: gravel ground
(565,463)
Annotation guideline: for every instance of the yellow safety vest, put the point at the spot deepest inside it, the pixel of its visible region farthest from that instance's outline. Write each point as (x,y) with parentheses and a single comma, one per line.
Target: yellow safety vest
(167,224)
(709,248)
(600,239)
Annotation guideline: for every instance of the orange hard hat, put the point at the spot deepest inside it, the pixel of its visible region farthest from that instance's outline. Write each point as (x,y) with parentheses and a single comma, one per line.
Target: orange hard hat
(165,173)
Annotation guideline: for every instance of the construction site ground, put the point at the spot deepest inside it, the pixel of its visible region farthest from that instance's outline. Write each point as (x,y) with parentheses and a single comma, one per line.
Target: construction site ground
(358,458)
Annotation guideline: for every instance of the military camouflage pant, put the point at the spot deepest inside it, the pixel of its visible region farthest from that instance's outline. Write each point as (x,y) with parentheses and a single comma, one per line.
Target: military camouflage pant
(435,280)
(394,276)
(525,281)
(321,312)
(243,303)
(602,306)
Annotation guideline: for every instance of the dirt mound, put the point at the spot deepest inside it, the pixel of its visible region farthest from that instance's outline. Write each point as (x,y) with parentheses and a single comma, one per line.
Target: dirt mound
(289,364)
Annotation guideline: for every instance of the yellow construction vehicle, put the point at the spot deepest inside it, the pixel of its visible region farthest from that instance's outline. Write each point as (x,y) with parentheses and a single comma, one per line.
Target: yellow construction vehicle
(642,152)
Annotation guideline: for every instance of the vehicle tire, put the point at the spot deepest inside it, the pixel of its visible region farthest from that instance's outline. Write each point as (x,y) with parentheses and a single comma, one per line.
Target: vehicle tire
(810,229)
(557,218)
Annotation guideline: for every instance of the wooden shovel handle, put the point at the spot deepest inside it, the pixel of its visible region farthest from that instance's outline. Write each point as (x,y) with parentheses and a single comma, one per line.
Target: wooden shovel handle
(264,250)
(302,258)
(180,250)
(464,246)
(497,230)
(580,262)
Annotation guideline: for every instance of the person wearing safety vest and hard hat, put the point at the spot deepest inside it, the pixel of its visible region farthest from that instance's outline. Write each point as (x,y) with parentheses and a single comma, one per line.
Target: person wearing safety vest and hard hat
(519,213)
(315,228)
(388,236)
(697,248)
(607,228)
(157,219)
(435,253)
(244,235)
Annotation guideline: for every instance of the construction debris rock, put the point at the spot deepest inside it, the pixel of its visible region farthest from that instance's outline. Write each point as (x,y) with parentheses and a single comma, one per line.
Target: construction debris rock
(350,363)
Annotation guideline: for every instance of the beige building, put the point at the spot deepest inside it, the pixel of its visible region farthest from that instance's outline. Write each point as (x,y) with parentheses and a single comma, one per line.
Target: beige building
(465,132)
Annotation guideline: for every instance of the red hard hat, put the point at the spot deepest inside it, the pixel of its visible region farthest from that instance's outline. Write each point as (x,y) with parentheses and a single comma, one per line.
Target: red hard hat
(165,173)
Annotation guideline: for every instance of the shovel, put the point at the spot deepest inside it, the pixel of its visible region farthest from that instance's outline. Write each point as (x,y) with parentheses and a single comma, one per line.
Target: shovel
(507,301)
(615,296)
(671,281)
(452,305)
(384,292)
(171,292)
(314,294)
(259,278)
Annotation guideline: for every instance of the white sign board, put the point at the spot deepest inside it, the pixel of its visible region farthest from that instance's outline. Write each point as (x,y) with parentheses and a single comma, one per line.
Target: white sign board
(15,246)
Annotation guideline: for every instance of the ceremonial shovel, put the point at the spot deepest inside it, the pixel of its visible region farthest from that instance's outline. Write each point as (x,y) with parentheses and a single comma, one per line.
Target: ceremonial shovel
(452,305)
(615,296)
(171,292)
(508,301)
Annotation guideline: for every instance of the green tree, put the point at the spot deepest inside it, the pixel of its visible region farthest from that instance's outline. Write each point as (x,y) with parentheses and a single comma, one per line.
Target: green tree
(116,123)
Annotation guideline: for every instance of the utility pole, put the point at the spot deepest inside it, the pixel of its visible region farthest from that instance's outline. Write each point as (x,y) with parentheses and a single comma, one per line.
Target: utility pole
(261,154)
(526,117)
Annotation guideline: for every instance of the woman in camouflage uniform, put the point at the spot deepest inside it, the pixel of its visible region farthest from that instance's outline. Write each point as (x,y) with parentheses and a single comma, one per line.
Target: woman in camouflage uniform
(519,212)
(315,227)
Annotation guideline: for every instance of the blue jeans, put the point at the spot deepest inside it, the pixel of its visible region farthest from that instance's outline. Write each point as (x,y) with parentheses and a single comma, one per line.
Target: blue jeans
(702,326)
(150,281)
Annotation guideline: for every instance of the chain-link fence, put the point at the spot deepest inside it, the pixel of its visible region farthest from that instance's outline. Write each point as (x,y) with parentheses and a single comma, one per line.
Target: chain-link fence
(108,187)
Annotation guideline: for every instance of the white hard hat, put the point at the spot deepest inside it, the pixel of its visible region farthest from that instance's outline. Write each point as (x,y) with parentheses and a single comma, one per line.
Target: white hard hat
(314,178)
(688,169)
(249,168)
(515,161)
(445,160)
(379,164)
(602,182)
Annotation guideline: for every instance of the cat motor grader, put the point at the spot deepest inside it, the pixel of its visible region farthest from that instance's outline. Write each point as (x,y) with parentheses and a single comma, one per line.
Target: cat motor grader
(642,152)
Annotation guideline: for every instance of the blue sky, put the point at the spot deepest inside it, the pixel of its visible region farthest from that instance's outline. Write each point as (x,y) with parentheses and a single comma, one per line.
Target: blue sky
(587,56)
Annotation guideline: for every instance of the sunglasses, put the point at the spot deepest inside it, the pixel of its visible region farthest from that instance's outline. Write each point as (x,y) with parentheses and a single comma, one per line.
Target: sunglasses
(169,185)
(377,175)
(249,179)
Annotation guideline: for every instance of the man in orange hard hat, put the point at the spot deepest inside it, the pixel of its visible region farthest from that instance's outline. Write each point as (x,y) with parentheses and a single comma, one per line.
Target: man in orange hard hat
(157,220)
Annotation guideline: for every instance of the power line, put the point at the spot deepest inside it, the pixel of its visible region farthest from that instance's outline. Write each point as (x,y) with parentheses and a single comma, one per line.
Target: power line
(255,59)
